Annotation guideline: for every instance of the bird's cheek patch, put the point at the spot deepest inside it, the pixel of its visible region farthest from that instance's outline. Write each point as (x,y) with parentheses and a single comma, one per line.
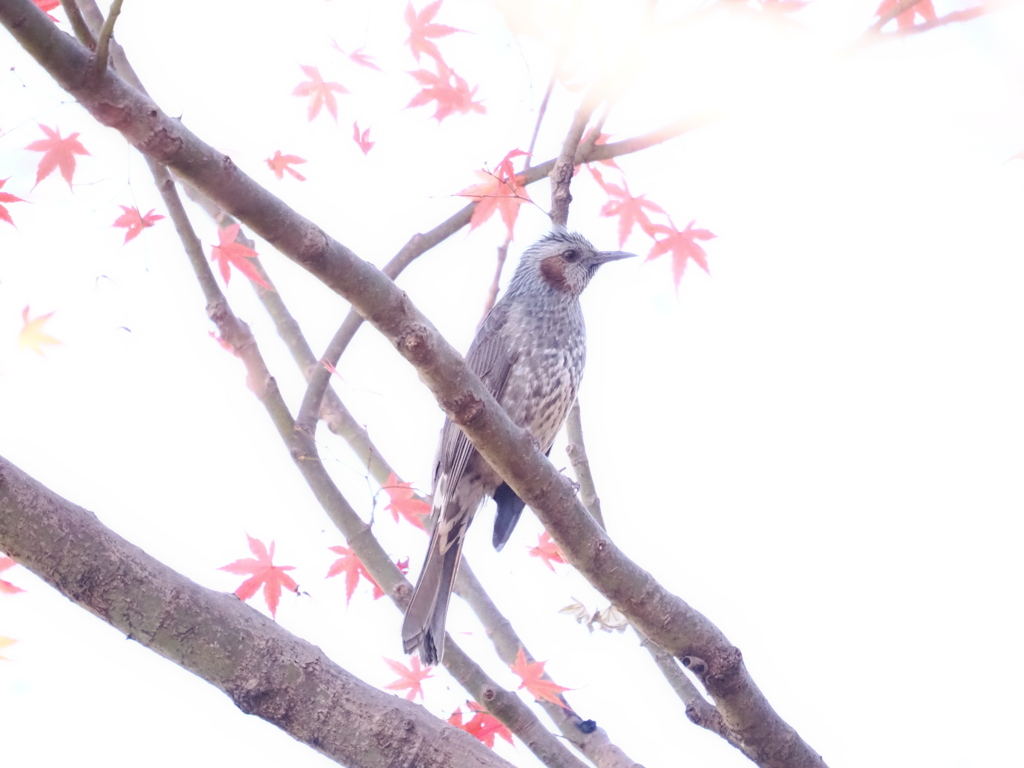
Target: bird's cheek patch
(553,271)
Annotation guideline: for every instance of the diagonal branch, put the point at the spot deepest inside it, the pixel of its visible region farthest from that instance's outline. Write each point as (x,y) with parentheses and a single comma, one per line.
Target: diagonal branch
(264,669)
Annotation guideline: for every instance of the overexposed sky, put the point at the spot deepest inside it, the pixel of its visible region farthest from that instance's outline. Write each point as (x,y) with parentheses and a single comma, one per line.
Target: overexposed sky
(818,446)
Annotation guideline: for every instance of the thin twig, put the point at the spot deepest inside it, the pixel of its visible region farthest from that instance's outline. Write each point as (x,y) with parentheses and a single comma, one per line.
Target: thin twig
(577,451)
(492,292)
(78,25)
(541,112)
(103,44)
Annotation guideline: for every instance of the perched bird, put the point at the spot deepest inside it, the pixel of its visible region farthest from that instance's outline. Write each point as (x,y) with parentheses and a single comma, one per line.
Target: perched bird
(529,352)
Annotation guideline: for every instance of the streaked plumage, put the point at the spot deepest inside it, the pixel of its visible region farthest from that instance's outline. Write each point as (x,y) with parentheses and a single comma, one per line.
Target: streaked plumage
(529,352)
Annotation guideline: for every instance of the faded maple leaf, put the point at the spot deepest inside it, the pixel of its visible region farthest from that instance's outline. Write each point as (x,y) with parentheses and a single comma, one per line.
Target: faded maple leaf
(58,152)
(483,725)
(905,19)
(281,164)
(500,191)
(320,93)
(602,138)
(784,6)
(404,502)
(532,676)
(682,245)
(362,139)
(421,30)
(263,573)
(32,335)
(5,586)
(630,209)
(6,642)
(411,677)
(229,252)
(46,6)
(450,91)
(547,550)
(357,57)
(7,197)
(134,222)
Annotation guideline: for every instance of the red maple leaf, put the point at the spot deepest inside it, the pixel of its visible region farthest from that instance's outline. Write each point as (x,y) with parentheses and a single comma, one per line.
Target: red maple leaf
(134,222)
(280,164)
(32,336)
(358,57)
(232,253)
(421,30)
(905,19)
(405,502)
(483,725)
(628,208)
(263,574)
(784,6)
(362,139)
(682,245)
(353,568)
(500,191)
(46,6)
(7,197)
(532,676)
(408,677)
(548,551)
(450,91)
(320,93)
(57,152)
(5,586)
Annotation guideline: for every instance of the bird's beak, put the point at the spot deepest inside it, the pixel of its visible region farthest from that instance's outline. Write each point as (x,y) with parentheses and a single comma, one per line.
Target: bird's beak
(605,256)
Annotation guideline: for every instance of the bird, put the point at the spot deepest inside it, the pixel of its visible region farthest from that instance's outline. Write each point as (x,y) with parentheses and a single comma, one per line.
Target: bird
(529,352)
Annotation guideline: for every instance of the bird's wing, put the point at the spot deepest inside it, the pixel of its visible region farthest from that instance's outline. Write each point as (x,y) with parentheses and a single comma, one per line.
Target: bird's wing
(490,359)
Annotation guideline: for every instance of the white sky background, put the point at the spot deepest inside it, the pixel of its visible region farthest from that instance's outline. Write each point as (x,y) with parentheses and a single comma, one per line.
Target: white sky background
(818,446)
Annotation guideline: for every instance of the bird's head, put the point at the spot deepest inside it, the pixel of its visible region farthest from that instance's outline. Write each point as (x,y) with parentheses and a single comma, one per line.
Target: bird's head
(564,262)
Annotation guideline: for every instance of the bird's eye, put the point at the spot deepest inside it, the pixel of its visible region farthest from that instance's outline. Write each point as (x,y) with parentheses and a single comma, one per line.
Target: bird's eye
(571,255)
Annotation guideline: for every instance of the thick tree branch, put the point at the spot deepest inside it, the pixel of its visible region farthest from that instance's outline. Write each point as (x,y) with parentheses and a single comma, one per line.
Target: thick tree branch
(265,670)
(660,615)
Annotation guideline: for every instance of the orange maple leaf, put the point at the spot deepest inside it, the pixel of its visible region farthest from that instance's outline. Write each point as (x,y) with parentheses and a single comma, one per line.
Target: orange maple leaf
(32,335)
(279,164)
(57,152)
(628,208)
(5,586)
(230,253)
(548,551)
(421,30)
(405,502)
(500,191)
(408,677)
(532,676)
(7,197)
(450,91)
(134,222)
(6,642)
(682,245)
(905,19)
(320,93)
(362,139)
(483,726)
(263,574)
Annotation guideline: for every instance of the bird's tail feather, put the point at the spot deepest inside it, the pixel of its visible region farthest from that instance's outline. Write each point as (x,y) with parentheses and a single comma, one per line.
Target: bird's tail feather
(423,627)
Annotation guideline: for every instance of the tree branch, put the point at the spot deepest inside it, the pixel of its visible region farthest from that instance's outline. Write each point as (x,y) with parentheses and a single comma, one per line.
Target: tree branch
(265,670)
(660,615)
